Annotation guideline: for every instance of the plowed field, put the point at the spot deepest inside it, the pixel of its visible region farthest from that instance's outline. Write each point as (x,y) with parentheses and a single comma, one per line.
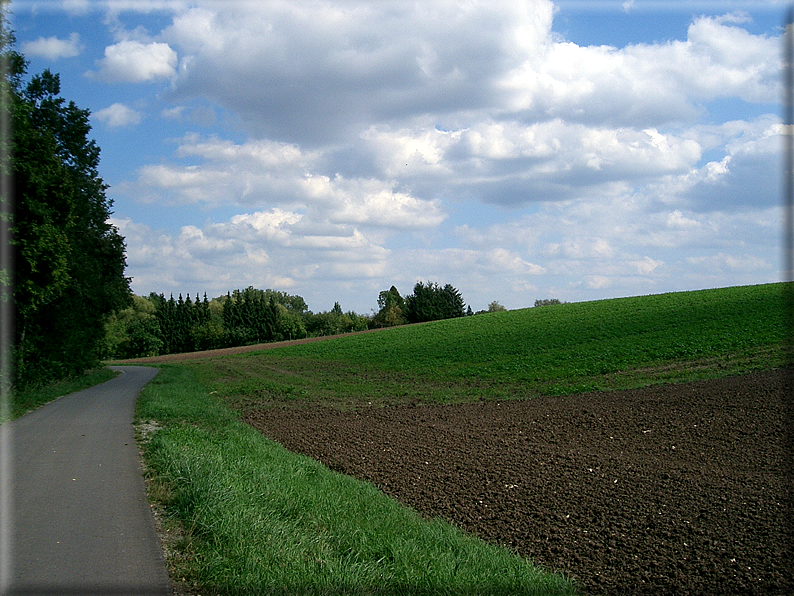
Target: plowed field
(666,490)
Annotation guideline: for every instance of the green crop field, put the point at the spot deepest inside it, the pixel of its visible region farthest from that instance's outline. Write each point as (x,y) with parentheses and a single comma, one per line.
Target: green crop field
(249,517)
(552,350)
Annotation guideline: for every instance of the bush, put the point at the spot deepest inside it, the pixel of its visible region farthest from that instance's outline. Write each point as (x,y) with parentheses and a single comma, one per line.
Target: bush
(547,302)
(496,307)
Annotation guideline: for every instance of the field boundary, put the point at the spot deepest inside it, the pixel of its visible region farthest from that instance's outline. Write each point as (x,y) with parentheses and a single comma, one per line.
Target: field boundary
(245,349)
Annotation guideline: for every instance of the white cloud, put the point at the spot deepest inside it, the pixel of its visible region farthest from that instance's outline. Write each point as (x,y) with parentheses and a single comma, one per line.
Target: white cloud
(174,113)
(264,249)
(76,7)
(626,246)
(370,202)
(677,220)
(646,265)
(513,163)
(262,173)
(722,262)
(305,72)
(374,146)
(136,62)
(511,115)
(53,48)
(746,173)
(118,115)
(598,282)
(651,83)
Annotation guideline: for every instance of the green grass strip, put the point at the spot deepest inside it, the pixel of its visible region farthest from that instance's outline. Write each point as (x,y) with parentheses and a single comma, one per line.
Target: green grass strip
(23,402)
(258,519)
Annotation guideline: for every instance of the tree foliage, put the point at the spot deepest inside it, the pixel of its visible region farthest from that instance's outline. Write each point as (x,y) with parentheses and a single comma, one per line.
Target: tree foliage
(547,302)
(69,260)
(431,302)
(133,331)
(335,322)
(391,309)
(155,325)
(496,307)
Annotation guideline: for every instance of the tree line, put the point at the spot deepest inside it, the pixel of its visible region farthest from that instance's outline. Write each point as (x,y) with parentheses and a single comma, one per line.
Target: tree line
(154,325)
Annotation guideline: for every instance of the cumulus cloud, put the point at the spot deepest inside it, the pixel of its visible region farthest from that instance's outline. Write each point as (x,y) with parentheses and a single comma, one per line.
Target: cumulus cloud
(118,115)
(632,244)
(307,73)
(492,107)
(262,173)
(318,72)
(373,133)
(133,61)
(745,172)
(264,249)
(53,48)
(512,163)
(655,84)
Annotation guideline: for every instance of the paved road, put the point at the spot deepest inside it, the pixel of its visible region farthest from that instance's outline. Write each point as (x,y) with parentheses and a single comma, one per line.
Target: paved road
(80,522)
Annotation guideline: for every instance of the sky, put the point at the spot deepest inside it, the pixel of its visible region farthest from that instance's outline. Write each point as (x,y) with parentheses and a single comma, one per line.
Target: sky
(518,149)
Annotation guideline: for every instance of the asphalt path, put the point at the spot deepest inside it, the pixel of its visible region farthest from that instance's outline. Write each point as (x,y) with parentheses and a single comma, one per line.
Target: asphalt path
(80,521)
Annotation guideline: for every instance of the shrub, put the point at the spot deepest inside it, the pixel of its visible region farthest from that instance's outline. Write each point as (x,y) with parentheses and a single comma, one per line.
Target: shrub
(547,302)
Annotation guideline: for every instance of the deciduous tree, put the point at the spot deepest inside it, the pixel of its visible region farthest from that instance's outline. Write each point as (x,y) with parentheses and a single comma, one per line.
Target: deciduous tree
(69,260)
(391,309)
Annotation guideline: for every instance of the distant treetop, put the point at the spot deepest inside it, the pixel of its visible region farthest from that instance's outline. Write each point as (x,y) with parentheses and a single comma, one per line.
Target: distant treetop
(547,302)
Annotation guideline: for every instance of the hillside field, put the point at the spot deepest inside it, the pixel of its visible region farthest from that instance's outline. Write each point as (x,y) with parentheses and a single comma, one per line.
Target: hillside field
(497,425)
(551,350)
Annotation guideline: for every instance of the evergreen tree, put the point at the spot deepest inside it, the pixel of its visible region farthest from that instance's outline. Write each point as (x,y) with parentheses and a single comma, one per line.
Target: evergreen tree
(431,302)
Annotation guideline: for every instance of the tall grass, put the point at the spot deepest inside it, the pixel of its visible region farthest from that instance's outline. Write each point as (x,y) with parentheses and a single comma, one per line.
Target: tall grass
(258,519)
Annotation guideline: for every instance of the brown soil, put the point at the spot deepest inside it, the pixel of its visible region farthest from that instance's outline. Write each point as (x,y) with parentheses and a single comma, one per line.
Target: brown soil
(666,490)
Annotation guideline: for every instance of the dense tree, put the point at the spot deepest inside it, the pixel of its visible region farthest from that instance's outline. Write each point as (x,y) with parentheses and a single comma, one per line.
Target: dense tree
(335,321)
(294,304)
(208,333)
(547,302)
(68,260)
(291,324)
(391,309)
(431,302)
(241,317)
(134,331)
(250,316)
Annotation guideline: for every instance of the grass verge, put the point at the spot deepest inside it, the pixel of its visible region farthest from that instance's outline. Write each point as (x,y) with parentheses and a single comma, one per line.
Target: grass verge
(257,519)
(23,402)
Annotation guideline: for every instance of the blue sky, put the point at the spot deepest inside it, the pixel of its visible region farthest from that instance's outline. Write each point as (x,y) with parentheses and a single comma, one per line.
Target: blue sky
(517,150)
